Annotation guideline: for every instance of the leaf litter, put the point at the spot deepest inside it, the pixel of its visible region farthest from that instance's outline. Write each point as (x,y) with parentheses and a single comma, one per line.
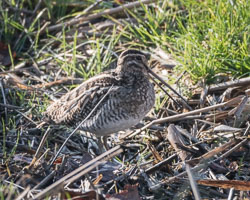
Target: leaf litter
(175,152)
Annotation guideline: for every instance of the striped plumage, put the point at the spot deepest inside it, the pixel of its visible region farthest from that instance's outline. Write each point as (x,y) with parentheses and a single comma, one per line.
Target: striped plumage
(129,100)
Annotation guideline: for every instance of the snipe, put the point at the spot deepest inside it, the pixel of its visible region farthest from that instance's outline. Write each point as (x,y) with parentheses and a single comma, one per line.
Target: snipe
(130,98)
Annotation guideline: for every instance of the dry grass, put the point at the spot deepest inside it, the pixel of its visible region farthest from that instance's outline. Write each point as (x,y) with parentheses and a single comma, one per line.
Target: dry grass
(202,153)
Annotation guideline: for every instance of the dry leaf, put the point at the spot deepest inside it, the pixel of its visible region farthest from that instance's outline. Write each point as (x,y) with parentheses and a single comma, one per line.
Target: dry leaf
(237,185)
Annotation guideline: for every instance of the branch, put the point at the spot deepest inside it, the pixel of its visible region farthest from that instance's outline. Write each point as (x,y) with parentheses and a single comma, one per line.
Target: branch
(96,15)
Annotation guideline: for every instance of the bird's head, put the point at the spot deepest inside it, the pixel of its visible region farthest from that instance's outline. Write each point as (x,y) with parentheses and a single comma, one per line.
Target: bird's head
(133,61)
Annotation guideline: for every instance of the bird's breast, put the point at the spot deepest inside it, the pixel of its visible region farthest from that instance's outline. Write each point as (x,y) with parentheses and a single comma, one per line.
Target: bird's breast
(124,108)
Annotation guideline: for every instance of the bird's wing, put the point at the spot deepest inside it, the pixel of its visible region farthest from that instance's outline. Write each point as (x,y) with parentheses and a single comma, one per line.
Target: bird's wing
(75,105)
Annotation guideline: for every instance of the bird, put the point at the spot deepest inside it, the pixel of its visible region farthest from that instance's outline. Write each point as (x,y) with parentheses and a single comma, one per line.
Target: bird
(129,97)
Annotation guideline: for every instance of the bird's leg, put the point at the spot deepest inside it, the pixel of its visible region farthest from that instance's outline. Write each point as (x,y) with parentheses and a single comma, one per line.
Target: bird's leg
(101,145)
(105,142)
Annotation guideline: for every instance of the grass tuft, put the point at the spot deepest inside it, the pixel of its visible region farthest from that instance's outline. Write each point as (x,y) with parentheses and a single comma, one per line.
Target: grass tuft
(206,37)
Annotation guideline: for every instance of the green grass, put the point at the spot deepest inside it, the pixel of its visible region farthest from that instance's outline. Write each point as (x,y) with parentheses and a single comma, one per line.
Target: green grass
(206,37)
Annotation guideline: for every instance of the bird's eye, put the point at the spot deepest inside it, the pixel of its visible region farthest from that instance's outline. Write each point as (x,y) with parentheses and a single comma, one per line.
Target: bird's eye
(138,58)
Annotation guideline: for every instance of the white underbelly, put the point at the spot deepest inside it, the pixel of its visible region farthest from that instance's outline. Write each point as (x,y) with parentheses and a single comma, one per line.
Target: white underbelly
(114,127)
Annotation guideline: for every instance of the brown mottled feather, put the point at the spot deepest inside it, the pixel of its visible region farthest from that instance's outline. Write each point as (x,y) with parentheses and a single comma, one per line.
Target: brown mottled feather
(129,100)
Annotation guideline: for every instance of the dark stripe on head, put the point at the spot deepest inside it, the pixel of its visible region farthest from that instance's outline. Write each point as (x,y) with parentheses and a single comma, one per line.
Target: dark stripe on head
(133,62)
(133,51)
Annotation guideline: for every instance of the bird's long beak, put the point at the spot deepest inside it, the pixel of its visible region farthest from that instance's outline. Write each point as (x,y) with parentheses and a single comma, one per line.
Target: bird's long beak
(154,75)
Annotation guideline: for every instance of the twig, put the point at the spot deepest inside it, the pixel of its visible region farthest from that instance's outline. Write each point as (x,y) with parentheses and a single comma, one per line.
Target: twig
(4,100)
(230,195)
(182,115)
(247,130)
(45,181)
(39,149)
(231,150)
(14,184)
(226,184)
(193,183)
(222,86)
(166,93)
(88,9)
(23,10)
(160,79)
(46,60)
(27,117)
(23,194)
(203,165)
(97,15)
(15,70)
(80,171)
(10,106)
(38,4)
(19,67)
(212,153)
(164,162)
(238,110)
(59,82)
(21,147)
